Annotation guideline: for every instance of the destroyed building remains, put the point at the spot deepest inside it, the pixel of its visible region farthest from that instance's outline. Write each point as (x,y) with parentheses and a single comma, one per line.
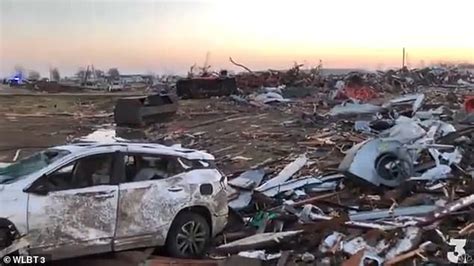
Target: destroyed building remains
(363,167)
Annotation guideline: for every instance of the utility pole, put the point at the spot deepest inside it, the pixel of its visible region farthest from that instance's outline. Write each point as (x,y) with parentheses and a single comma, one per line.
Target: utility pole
(403,58)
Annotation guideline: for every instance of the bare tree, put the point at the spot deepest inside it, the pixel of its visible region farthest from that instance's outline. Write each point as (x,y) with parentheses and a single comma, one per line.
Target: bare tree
(113,73)
(81,73)
(34,75)
(206,67)
(55,76)
(191,71)
(239,65)
(99,73)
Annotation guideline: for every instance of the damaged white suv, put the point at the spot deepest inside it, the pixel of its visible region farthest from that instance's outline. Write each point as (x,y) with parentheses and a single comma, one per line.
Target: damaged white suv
(89,198)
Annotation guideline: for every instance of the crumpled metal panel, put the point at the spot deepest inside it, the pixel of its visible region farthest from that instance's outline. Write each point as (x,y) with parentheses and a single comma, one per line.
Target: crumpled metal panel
(257,241)
(285,174)
(417,100)
(242,201)
(361,162)
(269,97)
(146,207)
(314,183)
(205,87)
(405,131)
(64,223)
(402,211)
(438,172)
(143,109)
(248,179)
(354,109)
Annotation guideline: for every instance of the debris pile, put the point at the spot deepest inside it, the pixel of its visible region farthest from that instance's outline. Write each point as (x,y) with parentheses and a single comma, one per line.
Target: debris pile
(387,178)
(330,169)
(294,77)
(404,193)
(357,85)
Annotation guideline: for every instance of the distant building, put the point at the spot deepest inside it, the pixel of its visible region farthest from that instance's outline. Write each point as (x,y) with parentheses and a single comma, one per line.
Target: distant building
(126,79)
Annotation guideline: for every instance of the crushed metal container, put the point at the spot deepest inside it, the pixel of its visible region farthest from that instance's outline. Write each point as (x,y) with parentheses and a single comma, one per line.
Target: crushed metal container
(378,162)
(205,87)
(140,110)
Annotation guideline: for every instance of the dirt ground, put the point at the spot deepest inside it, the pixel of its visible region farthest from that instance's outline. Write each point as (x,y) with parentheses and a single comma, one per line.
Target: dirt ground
(31,122)
(239,136)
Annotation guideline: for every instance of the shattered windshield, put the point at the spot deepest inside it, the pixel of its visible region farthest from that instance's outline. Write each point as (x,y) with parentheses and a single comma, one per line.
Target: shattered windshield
(30,164)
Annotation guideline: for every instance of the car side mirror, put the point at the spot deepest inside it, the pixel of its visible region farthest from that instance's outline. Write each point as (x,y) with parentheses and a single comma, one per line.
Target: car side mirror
(39,187)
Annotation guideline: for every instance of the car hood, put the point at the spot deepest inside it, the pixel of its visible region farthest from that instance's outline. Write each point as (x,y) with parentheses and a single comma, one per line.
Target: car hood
(3,178)
(9,180)
(13,202)
(7,193)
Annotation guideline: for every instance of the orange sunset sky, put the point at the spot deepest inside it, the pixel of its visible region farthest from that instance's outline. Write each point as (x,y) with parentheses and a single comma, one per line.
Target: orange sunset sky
(167,37)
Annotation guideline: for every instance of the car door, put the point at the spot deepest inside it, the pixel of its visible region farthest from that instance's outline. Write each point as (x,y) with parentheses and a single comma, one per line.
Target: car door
(72,211)
(147,205)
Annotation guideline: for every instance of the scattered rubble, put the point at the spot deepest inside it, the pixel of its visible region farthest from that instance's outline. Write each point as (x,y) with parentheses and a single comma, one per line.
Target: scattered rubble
(469,104)
(366,167)
(402,154)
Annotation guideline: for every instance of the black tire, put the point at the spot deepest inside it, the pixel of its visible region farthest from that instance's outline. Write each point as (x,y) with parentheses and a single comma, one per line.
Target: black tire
(5,241)
(5,238)
(189,236)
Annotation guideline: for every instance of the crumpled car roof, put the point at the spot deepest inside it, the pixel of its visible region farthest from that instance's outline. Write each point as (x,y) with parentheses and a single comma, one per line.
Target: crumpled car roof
(175,150)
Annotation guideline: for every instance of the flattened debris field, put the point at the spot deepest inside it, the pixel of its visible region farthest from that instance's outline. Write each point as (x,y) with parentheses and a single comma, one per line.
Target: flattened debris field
(357,169)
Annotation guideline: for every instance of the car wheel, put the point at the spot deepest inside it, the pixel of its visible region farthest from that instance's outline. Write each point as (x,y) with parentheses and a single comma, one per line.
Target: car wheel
(5,238)
(189,236)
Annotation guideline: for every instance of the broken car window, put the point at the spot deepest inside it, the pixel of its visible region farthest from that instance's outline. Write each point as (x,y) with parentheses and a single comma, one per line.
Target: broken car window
(149,167)
(89,171)
(61,179)
(195,164)
(31,164)
(93,170)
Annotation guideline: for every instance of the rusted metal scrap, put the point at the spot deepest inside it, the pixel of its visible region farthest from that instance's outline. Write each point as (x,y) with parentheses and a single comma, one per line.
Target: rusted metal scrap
(205,87)
(396,212)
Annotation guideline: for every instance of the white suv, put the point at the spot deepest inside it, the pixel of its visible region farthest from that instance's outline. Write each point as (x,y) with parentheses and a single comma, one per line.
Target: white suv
(89,198)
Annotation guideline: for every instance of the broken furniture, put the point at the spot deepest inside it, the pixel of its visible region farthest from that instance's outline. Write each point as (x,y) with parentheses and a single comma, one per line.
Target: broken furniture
(142,110)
